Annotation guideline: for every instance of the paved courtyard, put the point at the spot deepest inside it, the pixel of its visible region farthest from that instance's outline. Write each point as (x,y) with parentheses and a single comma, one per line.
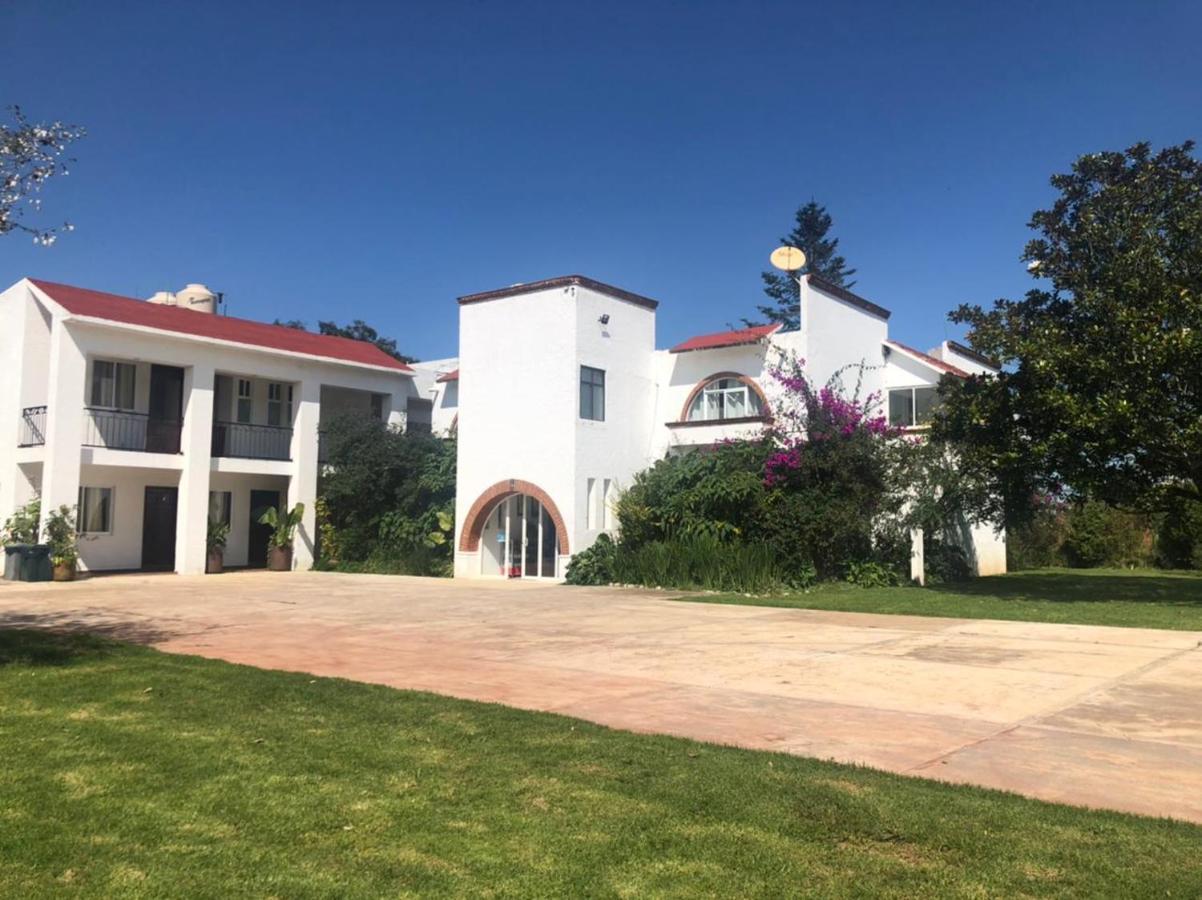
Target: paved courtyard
(1108,717)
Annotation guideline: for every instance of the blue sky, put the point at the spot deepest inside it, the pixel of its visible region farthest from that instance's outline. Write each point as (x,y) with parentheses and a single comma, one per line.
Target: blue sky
(322,160)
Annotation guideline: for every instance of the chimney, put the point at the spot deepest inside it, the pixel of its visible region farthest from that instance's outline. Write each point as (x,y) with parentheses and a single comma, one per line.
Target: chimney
(195,297)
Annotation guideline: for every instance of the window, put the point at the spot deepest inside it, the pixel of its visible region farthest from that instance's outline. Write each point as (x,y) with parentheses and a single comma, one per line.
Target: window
(377,407)
(113,384)
(607,502)
(725,398)
(590,503)
(95,511)
(220,507)
(909,407)
(244,400)
(279,411)
(592,393)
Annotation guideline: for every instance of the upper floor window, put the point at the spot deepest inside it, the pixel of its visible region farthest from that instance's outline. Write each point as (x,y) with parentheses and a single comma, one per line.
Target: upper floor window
(909,407)
(279,405)
(244,401)
(725,398)
(592,393)
(113,384)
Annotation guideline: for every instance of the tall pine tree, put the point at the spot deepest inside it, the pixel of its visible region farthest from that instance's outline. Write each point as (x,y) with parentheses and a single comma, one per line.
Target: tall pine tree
(809,234)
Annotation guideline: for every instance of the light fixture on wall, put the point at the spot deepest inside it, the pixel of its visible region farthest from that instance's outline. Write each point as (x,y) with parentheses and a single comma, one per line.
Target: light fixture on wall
(604,320)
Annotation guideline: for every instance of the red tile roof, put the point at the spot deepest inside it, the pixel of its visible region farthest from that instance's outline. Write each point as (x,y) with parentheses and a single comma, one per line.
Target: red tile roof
(928,359)
(453,375)
(726,339)
(128,311)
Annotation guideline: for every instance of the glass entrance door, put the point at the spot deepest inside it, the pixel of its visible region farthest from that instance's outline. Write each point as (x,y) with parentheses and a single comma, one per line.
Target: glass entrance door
(523,542)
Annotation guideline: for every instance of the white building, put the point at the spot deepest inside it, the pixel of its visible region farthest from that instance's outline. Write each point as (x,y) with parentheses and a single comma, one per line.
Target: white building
(153,417)
(559,397)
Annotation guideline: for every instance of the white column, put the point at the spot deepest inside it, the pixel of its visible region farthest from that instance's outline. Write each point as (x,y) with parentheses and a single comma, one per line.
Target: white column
(302,485)
(64,421)
(196,444)
(918,571)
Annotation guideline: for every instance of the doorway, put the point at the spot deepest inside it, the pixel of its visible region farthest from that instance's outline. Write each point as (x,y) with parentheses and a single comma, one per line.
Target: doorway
(259,536)
(166,409)
(158,529)
(520,540)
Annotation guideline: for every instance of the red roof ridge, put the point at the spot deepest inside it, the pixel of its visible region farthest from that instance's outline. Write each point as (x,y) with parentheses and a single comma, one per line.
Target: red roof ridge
(928,359)
(247,332)
(736,338)
(452,375)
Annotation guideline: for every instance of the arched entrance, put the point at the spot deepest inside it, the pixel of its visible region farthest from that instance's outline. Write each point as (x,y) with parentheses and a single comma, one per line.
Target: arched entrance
(517,530)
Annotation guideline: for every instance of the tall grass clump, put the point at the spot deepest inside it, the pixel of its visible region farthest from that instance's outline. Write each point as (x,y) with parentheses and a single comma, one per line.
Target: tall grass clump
(701,563)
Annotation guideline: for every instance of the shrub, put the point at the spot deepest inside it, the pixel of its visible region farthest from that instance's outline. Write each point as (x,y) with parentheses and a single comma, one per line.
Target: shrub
(1179,536)
(594,565)
(387,498)
(1100,535)
(1039,542)
(22,526)
(945,561)
(871,574)
(700,562)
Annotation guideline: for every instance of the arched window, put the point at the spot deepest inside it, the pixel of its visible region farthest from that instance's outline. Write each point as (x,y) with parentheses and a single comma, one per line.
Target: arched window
(725,397)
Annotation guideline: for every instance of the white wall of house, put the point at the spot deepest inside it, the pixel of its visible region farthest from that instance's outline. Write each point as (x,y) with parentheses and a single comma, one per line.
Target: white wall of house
(65,347)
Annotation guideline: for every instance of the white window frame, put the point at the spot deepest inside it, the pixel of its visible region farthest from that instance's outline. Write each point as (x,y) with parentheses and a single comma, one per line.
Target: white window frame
(279,402)
(82,509)
(248,397)
(912,389)
(712,398)
(106,393)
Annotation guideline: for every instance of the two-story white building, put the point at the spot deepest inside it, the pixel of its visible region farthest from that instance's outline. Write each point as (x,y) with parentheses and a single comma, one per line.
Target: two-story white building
(559,396)
(156,416)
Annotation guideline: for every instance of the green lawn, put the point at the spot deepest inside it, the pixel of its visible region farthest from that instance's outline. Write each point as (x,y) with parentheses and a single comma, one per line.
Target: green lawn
(130,773)
(1132,599)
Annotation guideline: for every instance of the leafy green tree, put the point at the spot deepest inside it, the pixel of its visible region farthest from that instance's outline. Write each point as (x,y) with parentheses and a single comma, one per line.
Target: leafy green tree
(388,495)
(812,225)
(1101,389)
(357,330)
(31,153)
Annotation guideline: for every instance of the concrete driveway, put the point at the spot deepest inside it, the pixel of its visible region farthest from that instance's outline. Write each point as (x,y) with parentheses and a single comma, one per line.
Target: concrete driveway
(1108,717)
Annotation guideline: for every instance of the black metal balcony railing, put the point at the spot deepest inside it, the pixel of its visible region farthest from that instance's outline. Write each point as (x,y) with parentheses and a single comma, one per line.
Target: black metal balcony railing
(118,429)
(246,441)
(33,427)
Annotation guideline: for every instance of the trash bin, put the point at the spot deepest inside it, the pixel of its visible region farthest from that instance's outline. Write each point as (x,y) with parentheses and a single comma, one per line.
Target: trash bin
(27,562)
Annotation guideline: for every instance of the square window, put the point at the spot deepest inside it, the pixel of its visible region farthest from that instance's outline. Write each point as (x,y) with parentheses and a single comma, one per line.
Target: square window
(592,393)
(244,400)
(113,384)
(901,407)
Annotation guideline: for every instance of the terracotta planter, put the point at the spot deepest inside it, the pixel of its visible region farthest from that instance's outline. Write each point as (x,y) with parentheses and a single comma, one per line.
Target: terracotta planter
(64,572)
(279,559)
(215,564)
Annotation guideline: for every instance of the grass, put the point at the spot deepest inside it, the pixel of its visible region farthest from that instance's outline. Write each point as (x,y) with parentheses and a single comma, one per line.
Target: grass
(1126,598)
(130,773)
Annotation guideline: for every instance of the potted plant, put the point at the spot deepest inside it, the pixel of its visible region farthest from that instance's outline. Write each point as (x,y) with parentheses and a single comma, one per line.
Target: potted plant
(63,540)
(279,545)
(215,541)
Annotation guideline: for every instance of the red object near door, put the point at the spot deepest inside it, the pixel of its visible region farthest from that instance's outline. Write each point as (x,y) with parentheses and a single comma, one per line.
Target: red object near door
(515,571)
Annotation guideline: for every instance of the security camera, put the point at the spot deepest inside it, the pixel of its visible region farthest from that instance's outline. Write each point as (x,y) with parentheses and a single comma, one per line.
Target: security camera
(604,320)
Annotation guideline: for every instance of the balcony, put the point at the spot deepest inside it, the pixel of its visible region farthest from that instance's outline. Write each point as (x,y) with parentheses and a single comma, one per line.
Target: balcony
(242,440)
(32,430)
(117,429)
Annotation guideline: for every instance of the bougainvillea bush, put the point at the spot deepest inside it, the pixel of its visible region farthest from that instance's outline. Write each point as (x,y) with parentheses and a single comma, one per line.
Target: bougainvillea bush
(823,487)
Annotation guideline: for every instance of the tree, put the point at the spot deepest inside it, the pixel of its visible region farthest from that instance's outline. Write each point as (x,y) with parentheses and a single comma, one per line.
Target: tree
(357,330)
(30,155)
(1101,390)
(809,234)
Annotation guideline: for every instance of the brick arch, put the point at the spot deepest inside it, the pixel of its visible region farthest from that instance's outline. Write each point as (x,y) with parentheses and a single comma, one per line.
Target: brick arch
(765,410)
(473,526)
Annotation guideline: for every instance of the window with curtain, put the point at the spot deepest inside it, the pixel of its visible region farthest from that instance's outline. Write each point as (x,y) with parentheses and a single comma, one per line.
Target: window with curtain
(113,384)
(220,504)
(279,405)
(95,511)
(725,398)
(592,393)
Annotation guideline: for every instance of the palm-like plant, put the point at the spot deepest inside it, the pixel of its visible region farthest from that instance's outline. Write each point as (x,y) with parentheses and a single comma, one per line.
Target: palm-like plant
(283,527)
